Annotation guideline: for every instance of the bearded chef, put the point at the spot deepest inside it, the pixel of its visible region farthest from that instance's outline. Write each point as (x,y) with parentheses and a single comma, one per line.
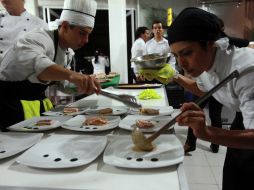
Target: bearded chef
(38,58)
(15,21)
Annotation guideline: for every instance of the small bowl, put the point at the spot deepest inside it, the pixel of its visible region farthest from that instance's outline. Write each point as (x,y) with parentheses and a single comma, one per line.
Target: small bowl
(151,61)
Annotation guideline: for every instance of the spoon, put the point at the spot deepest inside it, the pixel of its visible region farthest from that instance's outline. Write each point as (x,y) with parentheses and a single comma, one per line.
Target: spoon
(143,143)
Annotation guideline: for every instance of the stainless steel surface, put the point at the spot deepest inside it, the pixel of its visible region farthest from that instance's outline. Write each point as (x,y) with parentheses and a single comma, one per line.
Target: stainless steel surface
(154,60)
(144,143)
(128,100)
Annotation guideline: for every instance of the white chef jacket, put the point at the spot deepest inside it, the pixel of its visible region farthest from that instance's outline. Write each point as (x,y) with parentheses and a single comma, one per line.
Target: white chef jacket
(238,94)
(100,66)
(12,27)
(152,46)
(31,55)
(138,49)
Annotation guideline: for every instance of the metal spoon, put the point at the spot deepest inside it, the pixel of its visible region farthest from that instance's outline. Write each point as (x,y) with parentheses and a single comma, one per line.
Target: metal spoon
(143,143)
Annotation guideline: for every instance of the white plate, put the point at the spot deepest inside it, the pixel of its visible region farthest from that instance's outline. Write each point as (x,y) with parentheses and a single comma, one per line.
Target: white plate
(29,124)
(163,110)
(117,110)
(76,123)
(168,151)
(12,143)
(129,122)
(59,112)
(64,151)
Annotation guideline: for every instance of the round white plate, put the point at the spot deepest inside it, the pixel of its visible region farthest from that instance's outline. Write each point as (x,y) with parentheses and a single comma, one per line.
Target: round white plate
(129,122)
(64,151)
(163,110)
(12,143)
(76,123)
(168,151)
(30,124)
(117,110)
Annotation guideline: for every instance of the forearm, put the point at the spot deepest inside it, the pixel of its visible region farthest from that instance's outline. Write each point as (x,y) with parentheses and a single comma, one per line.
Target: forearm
(242,139)
(188,84)
(55,73)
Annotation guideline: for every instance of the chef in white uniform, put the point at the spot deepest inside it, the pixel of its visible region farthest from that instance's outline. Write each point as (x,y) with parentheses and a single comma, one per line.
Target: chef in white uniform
(15,21)
(203,51)
(38,58)
(138,48)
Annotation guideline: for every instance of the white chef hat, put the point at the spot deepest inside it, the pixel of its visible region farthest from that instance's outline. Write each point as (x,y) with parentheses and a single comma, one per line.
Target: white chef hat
(79,12)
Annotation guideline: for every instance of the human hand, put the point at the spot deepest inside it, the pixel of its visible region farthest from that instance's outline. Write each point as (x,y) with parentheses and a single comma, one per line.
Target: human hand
(85,83)
(193,116)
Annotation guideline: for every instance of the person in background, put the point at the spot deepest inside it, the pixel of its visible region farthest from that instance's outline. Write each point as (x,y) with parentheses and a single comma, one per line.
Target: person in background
(15,21)
(138,48)
(38,58)
(100,62)
(204,52)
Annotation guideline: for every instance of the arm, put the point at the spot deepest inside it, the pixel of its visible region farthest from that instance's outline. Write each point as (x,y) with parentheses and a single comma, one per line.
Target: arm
(188,84)
(194,117)
(85,83)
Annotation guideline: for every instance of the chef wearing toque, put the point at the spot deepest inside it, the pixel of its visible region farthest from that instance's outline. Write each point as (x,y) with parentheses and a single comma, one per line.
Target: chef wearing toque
(204,52)
(38,58)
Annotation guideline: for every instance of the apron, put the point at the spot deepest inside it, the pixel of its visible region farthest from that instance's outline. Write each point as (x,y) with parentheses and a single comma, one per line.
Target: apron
(238,170)
(20,100)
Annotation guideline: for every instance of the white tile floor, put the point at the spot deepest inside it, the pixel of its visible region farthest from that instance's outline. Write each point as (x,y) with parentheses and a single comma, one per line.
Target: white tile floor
(202,167)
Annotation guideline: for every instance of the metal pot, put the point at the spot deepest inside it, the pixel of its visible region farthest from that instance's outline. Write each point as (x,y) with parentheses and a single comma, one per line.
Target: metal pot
(151,61)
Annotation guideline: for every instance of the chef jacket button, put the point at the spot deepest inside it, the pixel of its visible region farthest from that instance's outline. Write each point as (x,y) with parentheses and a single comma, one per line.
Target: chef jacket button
(27,19)
(1,26)
(1,38)
(24,29)
(2,15)
(1,51)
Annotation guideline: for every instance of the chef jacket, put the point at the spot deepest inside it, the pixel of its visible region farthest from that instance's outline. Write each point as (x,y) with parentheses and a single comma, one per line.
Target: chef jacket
(12,27)
(138,49)
(31,55)
(100,66)
(238,94)
(152,46)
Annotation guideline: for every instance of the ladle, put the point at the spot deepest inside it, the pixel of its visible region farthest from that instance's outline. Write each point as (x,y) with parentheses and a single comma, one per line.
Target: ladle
(143,143)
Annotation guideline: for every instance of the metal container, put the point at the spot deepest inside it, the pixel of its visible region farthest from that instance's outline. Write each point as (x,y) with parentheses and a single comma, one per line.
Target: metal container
(151,61)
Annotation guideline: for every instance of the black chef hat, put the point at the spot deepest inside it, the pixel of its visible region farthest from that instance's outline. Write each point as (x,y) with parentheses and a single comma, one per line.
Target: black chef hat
(194,24)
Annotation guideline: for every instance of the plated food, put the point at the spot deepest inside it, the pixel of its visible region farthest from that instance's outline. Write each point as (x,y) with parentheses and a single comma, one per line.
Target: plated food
(45,122)
(68,110)
(96,121)
(149,111)
(105,111)
(92,123)
(144,123)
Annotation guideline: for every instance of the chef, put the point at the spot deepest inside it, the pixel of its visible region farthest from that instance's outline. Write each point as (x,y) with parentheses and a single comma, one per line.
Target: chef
(204,52)
(38,58)
(15,21)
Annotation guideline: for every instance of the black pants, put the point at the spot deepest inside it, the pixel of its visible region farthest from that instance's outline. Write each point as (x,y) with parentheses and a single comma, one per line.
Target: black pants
(238,170)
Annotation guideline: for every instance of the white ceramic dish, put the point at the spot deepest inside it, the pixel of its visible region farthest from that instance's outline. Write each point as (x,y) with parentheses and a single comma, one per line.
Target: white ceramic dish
(76,123)
(129,122)
(30,124)
(12,143)
(117,110)
(59,112)
(163,110)
(168,151)
(64,151)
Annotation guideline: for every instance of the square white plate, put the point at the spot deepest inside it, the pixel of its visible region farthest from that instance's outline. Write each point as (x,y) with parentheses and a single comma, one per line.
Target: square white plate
(29,124)
(168,151)
(117,110)
(12,143)
(64,151)
(59,112)
(76,123)
(129,122)
(163,110)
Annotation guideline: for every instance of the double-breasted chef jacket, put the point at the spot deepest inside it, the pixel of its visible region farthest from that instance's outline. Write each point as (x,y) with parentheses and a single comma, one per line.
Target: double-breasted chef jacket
(13,27)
